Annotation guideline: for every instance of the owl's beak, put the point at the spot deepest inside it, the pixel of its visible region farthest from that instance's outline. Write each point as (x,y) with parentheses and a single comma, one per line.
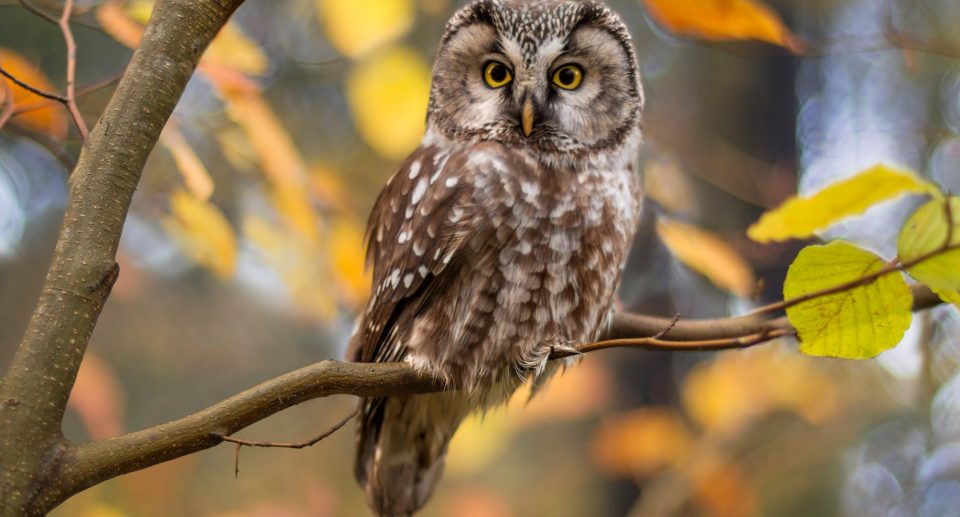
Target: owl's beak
(526,117)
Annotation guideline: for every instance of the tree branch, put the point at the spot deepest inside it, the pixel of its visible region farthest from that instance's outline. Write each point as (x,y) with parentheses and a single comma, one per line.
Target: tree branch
(91,463)
(34,393)
(32,89)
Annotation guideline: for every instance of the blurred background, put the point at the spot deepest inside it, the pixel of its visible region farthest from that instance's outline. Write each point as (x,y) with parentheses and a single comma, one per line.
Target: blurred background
(242,259)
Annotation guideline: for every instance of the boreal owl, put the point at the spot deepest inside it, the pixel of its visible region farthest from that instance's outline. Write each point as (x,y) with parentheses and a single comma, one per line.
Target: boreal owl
(504,234)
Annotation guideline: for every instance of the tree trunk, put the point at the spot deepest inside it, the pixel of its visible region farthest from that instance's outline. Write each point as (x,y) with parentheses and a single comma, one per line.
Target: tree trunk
(34,393)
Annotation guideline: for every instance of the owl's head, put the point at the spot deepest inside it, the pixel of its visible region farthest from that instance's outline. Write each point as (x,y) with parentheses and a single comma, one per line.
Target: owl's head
(553,75)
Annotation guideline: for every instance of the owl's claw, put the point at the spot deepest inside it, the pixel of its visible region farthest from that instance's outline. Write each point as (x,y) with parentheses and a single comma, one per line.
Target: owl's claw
(564,349)
(535,362)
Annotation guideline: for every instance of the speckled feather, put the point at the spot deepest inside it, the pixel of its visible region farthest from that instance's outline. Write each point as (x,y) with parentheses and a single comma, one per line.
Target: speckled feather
(488,246)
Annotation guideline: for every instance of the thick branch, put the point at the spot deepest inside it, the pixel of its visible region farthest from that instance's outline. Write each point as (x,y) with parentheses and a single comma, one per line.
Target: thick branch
(92,463)
(34,394)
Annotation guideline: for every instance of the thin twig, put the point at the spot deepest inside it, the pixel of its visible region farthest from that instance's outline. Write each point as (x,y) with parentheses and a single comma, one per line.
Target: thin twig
(708,344)
(291,445)
(32,89)
(39,12)
(666,330)
(82,91)
(286,445)
(64,24)
(70,100)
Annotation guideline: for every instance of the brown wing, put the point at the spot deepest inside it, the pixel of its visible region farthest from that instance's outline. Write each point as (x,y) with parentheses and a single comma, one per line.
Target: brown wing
(416,235)
(416,230)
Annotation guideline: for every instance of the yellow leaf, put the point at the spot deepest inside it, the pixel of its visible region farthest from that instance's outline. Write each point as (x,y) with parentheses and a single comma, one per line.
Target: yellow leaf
(799,218)
(357,26)
(666,183)
(327,187)
(140,10)
(299,262)
(949,296)
(236,148)
(232,49)
(292,203)
(855,323)
(348,259)
(388,94)
(119,24)
(40,115)
(203,232)
(725,394)
(721,20)
(278,155)
(641,442)
(195,175)
(926,233)
(708,254)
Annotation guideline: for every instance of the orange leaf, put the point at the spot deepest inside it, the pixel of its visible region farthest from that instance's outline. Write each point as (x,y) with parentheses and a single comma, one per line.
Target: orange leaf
(641,442)
(39,114)
(722,490)
(118,24)
(722,20)
(98,398)
(709,255)
(203,233)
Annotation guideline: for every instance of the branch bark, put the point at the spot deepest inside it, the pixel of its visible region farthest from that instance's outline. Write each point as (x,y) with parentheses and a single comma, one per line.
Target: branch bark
(34,392)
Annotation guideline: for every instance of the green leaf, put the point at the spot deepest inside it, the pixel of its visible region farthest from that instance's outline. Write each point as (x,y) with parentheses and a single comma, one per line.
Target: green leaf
(924,234)
(856,323)
(800,217)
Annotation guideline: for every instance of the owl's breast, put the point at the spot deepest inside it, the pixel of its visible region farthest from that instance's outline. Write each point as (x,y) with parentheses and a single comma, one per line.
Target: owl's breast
(559,240)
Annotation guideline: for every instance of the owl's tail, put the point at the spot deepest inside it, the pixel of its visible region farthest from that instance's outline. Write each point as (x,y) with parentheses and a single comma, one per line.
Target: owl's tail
(401,446)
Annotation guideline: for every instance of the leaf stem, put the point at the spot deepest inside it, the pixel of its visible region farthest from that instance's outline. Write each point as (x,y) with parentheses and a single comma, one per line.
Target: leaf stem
(891,267)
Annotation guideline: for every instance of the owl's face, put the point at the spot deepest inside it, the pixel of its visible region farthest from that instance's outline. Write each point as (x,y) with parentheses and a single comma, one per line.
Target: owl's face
(555,76)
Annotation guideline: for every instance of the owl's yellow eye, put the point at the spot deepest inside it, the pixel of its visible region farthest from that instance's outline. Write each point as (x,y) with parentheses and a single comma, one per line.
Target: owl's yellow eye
(496,74)
(568,77)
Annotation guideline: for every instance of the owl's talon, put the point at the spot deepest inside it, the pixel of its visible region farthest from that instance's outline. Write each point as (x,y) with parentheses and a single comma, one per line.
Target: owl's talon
(565,349)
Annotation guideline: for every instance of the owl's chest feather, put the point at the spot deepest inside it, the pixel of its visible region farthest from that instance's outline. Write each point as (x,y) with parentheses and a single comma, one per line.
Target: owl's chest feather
(559,239)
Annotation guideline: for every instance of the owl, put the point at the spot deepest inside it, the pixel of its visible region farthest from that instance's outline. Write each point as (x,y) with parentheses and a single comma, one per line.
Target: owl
(503,236)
